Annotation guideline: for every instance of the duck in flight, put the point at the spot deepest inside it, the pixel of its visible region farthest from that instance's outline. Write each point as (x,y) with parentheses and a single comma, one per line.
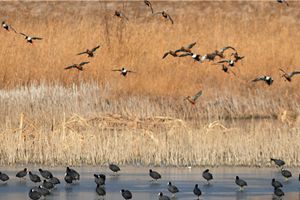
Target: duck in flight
(220,52)
(91,52)
(7,26)
(120,15)
(226,70)
(123,71)
(196,57)
(283,1)
(148,3)
(30,39)
(228,61)
(288,75)
(237,57)
(193,99)
(77,66)
(172,53)
(267,79)
(186,48)
(165,15)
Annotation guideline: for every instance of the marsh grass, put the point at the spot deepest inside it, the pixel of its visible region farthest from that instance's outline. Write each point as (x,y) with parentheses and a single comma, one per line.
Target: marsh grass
(98,141)
(55,125)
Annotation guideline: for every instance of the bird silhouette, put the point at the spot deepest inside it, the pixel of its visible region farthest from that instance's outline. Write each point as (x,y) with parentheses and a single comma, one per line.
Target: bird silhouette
(91,52)
(193,99)
(77,66)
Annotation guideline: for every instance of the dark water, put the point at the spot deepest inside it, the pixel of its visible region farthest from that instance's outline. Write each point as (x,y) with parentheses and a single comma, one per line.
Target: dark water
(137,180)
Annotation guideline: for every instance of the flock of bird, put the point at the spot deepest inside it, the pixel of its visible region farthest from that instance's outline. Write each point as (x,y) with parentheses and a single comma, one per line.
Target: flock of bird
(49,182)
(226,63)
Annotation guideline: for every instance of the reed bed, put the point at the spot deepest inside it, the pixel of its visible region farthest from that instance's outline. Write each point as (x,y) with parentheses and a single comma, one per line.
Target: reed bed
(55,125)
(55,117)
(157,141)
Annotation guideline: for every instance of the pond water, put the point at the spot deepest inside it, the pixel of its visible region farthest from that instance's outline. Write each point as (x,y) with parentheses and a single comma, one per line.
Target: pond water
(137,180)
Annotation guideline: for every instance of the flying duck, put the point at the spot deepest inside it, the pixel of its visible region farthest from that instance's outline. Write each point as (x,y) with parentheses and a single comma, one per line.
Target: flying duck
(126,194)
(228,61)
(267,79)
(186,48)
(193,99)
(172,53)
(224,67)
(155,175)
(90,53)
(123,71)
(30,39)
(288,76)
(120,15)
(161,196)
(207,175)
(196,57)
(165,15)
(283,1)
(240,182)
(7,26)
(77,66)
(237,57)
(172,188)
(148,3)
(211,56)
(220,52)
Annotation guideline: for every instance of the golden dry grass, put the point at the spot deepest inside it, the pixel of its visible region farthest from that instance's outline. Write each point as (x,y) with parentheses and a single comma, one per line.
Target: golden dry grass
(54,125)
(265,32)
(69,114)
(157,141)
